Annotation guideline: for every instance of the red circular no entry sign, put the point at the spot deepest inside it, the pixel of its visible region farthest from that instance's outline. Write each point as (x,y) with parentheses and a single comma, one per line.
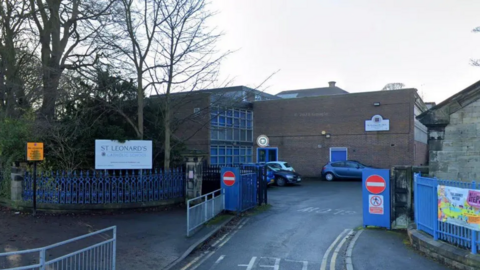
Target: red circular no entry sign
(229,178)
(375,184)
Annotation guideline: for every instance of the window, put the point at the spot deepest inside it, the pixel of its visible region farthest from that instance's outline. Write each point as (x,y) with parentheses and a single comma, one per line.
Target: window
(237,125)
(351,164)
(338,164)
(230,155)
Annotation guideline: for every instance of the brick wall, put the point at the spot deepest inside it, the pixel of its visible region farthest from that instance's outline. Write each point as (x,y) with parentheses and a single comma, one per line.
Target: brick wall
(295,126)
(421,154)
(194,129)
(458,155)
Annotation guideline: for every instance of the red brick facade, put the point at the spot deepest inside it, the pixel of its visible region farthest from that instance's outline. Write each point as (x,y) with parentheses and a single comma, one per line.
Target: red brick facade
(192,128)
(295,126)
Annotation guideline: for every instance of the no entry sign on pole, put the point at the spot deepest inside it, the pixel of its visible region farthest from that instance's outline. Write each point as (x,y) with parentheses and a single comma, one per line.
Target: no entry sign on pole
(229,178)
(375,184)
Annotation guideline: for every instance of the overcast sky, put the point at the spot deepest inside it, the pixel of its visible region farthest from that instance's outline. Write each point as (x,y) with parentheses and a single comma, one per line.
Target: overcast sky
(360,44)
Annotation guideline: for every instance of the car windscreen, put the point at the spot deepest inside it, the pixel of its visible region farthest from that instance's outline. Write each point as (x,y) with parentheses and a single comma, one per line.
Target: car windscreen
(287,165)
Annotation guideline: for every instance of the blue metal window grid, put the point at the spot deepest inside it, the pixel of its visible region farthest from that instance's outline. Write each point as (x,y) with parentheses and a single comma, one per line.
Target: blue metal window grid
(230,155)
(426,214)
(228,124)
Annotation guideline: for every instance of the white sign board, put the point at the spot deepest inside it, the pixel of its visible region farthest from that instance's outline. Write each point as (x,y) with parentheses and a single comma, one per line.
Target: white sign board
(375,204)
(377,123)
(114,155)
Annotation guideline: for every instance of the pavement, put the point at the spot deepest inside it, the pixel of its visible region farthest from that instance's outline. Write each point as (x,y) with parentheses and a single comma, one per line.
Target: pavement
(378,249)
(146,239)
(315,225)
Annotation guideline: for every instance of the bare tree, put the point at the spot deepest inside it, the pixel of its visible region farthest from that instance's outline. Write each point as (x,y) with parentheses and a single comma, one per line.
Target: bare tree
(133,36)
(393,86)
(14,55)
(67,29)
(186,59)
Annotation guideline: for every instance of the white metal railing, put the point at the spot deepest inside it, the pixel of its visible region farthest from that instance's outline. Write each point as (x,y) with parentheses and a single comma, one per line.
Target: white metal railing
(203,208)
(100,255)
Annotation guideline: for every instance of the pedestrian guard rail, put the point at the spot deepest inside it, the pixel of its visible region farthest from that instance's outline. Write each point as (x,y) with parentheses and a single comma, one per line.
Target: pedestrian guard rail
(203,208)
(96,250)
(427,215)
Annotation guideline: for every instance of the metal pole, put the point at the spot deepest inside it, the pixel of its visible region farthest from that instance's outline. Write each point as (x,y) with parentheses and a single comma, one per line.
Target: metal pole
(474,233)
(34,188)
(42,259)
(266,184)
(114,249)
(188,218)
(205,204)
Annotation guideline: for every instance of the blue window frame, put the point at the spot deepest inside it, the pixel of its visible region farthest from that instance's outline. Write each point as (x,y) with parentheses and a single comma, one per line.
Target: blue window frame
(231,125)
(230,155)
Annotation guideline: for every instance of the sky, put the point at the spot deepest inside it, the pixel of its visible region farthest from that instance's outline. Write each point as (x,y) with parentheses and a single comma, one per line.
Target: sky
(360,44)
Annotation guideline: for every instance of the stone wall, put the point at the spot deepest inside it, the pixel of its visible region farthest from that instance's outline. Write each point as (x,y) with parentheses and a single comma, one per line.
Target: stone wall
(456,154)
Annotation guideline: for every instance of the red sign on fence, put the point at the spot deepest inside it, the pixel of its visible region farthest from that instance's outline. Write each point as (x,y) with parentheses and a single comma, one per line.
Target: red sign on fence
(375,184)
(229,178)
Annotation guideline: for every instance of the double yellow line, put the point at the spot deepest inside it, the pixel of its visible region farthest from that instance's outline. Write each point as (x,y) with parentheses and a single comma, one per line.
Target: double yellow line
(342,238)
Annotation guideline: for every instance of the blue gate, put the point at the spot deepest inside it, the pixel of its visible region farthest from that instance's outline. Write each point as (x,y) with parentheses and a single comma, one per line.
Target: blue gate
(248,191)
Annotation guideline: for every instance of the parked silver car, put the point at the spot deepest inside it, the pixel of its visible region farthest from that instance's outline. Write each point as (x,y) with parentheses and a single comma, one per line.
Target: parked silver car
(343,169)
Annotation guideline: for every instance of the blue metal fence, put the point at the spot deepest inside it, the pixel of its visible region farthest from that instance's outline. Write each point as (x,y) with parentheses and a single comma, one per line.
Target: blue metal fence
(100,187)
(426,214)
(248,191)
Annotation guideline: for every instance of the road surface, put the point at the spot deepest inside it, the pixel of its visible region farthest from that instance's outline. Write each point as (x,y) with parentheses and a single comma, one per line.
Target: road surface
(309,226)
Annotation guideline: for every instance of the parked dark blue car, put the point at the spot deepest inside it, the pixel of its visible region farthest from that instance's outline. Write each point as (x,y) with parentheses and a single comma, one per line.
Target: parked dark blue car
(350,169)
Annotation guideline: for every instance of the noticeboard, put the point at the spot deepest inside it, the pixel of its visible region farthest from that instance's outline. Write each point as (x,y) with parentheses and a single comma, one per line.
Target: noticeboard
(34,151)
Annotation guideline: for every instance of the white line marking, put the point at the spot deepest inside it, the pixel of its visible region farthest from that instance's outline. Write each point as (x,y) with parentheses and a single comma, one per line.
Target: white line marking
(375,184)
(217,262)
(249,265)
(276,266)
(325,256)
(333,262)
(228,178)
(305,263)
(309,209)
(348,256)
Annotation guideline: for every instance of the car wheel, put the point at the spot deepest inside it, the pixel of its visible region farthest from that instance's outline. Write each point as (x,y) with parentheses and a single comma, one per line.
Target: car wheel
(280,181)
(329,176)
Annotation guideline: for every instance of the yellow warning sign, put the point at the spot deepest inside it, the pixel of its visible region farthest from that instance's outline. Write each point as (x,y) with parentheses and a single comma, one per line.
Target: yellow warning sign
(34,151)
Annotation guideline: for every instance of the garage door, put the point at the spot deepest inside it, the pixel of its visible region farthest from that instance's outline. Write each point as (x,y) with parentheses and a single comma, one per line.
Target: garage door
(338,154)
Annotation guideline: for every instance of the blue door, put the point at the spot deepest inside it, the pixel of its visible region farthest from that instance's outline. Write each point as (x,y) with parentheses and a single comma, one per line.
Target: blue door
(338,154)
(267,154)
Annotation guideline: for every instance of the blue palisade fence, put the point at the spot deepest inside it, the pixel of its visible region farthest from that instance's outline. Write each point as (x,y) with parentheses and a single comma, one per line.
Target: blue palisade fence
(99,187)
(426,214)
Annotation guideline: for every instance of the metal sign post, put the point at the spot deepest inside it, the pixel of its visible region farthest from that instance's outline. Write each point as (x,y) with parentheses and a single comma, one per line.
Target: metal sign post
(35,154)
(34,188)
